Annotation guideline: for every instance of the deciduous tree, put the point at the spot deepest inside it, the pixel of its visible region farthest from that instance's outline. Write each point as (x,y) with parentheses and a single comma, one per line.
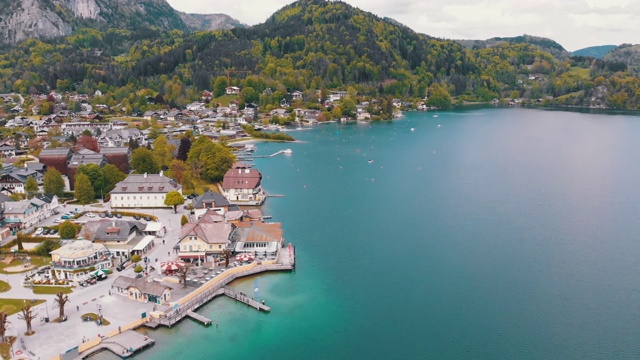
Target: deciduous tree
(28,314)
(31,187)
(67,230)
(142,161)
(83,189)
(61,300)
(53,182)
(173,199)
(111,175)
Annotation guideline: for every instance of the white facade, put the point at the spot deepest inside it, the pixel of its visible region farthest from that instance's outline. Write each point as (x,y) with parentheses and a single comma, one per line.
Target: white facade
(143,191)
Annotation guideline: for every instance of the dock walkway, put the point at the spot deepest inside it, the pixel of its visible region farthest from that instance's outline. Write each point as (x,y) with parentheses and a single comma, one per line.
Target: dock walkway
(245,299)
(125,344)
(204,320)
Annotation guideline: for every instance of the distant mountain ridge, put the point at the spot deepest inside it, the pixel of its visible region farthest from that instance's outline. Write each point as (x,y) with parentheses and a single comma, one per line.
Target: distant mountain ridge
(544,44)
(597,52)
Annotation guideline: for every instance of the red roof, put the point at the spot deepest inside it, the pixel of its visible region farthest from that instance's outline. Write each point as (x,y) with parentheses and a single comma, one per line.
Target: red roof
(241,179)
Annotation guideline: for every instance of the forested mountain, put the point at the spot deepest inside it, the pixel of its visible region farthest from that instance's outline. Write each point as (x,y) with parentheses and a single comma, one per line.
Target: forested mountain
(626,53)
(597,52)
(541,43)
(308,46)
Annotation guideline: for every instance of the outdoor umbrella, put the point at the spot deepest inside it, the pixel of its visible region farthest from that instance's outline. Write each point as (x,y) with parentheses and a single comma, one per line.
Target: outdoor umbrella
(171,266)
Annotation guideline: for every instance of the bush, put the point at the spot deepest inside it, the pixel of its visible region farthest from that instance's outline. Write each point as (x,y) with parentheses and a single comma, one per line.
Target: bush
(138,269)
(183,220)
(136,258)
(46,247)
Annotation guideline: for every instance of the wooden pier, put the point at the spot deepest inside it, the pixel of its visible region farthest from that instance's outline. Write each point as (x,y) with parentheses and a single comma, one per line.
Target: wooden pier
(245,299)
(125,344)
(204,320)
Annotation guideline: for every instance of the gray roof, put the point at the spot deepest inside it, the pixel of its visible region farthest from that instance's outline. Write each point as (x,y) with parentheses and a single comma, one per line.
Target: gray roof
(210,196)
(148,183)
(118,230)
(78,159)
(114,150)
(55,152)
(142,284)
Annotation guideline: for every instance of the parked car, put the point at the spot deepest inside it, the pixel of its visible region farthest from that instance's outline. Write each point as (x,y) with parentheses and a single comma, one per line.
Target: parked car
(91,215)
(39,231)
(102,215)
(137,217)
(66,217)
(45,232)
(53,232)
(57,220)
(109,215)
(119,216)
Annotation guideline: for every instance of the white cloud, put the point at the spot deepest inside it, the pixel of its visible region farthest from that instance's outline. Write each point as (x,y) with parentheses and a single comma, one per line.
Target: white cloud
(572,23)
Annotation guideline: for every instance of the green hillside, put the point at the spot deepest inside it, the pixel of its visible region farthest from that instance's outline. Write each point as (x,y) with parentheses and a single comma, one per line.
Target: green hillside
(312,46)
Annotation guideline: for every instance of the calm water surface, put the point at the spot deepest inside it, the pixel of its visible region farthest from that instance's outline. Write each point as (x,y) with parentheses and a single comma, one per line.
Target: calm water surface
(484,234)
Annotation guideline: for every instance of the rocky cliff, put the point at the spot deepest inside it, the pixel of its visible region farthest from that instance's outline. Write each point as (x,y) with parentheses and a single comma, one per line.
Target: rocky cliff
(23,19)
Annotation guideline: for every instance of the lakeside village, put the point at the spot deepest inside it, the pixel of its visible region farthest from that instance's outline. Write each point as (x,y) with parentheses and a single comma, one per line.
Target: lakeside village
(132,261)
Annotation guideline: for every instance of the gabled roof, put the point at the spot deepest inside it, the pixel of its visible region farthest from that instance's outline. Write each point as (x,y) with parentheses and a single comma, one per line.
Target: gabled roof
(146,183)
(210,197)
(55,152)
(241,179)
(118,230)
(211,233)
(142,284)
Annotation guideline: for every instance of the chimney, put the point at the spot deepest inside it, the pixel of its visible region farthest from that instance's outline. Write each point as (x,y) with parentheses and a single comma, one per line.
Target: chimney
(161,172)
(113,223)
(145,175)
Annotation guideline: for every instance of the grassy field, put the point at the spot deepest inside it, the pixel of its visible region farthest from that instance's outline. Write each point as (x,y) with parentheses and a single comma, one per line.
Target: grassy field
(5,347)
(4,286)
(224,99)
(94,317)
(13,306)
(50,290)
(35,260)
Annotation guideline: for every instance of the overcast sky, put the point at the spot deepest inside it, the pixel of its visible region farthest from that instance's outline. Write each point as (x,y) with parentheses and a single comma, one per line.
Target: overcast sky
(574,24)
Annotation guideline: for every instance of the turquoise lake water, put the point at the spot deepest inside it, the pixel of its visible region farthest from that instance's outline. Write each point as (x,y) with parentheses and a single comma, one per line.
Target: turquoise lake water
(482,234)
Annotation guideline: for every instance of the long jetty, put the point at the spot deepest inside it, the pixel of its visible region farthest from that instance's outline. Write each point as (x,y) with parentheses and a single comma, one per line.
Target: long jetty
(124,344)
(214,288)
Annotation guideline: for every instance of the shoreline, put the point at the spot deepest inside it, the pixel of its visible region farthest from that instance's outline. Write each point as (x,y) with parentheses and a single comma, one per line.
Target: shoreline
(181,308)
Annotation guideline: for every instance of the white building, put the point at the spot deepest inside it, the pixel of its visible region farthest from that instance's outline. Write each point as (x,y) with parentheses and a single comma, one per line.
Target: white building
(77,260)
(143,191)
(242,186)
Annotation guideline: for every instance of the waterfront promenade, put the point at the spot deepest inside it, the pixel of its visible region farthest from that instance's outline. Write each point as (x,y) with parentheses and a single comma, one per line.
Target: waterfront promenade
(74,335)
(191,302)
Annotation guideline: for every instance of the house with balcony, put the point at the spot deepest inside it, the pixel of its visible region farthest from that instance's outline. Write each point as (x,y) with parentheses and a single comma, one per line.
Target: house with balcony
(78,259)
(242,186)
(204,239)
(143,191)
(26,213)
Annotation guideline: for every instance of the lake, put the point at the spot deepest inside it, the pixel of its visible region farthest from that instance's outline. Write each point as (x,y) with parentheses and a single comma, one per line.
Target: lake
(480,234)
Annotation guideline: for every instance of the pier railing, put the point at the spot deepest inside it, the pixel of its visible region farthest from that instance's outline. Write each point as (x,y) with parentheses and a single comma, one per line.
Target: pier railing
(210,290)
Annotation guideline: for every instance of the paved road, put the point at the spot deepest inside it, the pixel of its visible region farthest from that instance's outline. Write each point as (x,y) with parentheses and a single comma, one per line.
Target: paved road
(50,338)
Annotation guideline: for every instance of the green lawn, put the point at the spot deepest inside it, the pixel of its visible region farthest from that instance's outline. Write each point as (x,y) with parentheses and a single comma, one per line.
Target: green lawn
(224,99)
(95,317)
(13,306)
(50,290)
(5,347)
(4,286)
(35,260)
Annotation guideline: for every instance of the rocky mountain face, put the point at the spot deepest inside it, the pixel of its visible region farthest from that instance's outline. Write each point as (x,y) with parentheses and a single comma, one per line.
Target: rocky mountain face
(23,19)
(206,22)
